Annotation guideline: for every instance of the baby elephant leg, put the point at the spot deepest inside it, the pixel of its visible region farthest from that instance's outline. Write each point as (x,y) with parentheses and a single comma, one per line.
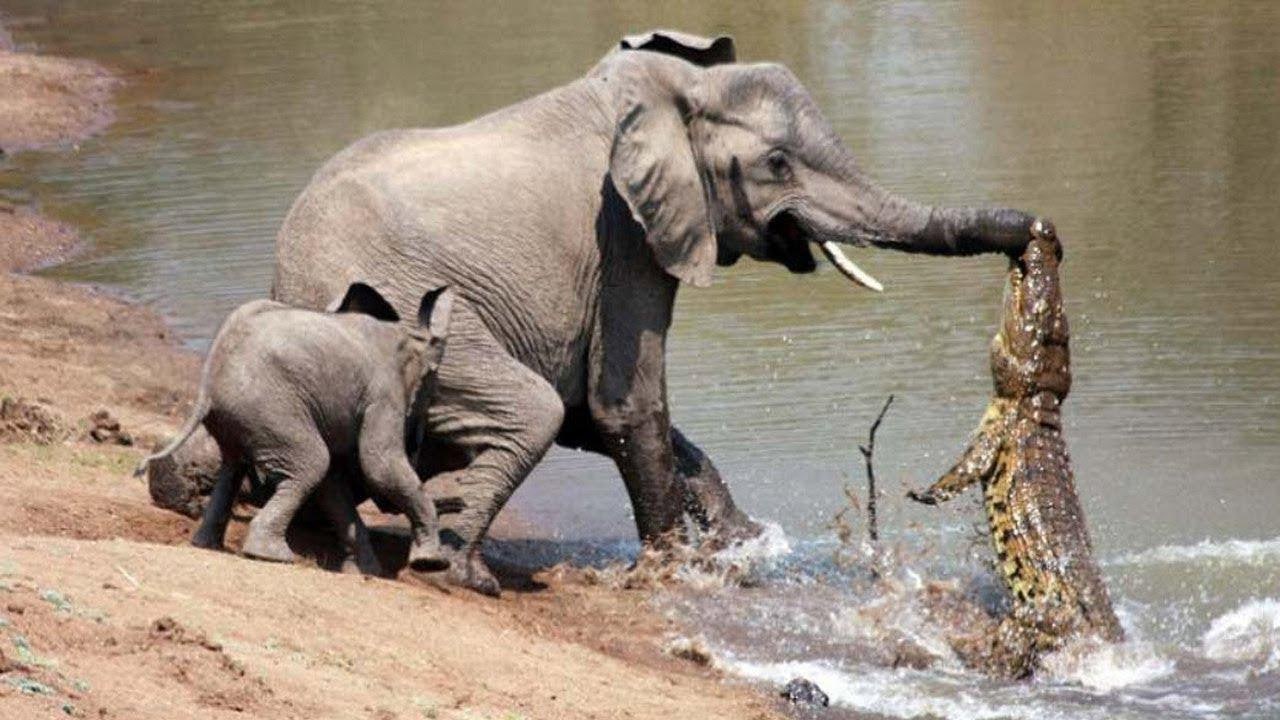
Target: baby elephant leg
(217,513)
(339,506)
(298,468)
(388,472)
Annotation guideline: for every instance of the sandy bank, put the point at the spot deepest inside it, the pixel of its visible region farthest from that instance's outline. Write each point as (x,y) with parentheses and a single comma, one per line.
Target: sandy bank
(90,574)
(48,101)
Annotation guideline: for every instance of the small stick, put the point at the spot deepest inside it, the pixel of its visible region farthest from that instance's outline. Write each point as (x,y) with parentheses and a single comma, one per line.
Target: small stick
(872,531)
(132,581)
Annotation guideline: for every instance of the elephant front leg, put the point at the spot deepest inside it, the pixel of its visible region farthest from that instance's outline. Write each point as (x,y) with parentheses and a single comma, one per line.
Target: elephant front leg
(706,495)
(627,396)
(707,498)
(640,446)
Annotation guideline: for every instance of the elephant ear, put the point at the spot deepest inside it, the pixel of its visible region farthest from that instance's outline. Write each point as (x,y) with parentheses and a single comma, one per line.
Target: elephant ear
(653,167)
(692,48)
(435,311)
(434,314)
(362,298)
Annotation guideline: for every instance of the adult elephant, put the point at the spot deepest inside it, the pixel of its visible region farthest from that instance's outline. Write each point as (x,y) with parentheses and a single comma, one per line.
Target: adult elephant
(566,223)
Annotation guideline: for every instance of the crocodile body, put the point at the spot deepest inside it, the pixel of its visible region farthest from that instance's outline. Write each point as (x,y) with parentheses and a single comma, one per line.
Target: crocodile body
(1019,457)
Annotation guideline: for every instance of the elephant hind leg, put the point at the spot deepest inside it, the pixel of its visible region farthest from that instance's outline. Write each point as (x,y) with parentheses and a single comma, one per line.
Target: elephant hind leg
(340,507)
(298,467)
(217,513)
(707,498)
(501,415)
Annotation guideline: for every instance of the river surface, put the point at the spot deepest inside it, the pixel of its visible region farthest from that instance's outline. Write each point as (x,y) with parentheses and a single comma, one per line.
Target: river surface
(1149,132)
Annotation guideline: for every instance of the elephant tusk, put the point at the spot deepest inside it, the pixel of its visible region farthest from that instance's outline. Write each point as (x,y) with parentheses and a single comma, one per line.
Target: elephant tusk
(848,268)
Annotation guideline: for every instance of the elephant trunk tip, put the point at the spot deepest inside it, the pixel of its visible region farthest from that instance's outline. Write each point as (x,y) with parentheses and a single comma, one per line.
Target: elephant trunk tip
(973,231)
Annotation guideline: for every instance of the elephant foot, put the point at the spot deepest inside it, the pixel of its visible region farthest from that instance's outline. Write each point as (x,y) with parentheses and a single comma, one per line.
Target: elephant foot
(428,556)
(361,563)
(272,549)
(206,540)
(352,565)
(468,569)
(732,531)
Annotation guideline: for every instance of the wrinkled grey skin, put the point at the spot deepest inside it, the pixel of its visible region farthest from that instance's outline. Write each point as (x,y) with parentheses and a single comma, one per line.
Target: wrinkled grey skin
(182,480)
(310,400)
(567,222)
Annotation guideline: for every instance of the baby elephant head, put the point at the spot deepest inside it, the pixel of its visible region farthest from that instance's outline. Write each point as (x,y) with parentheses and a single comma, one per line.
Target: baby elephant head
(420,348)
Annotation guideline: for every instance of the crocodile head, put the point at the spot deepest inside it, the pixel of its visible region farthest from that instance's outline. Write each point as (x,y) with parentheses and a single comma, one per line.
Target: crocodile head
(1029,354)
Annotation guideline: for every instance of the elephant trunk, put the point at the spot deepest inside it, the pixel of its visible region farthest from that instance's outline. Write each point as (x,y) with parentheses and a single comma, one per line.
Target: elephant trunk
(902,224)
(847,207)
(874,216)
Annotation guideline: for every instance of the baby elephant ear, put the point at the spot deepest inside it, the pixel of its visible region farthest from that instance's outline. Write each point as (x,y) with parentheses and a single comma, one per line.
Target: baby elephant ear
(693,48)
(435,310)
(361,298)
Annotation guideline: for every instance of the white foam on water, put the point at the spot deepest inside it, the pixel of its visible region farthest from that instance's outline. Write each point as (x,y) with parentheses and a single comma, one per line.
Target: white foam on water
(1107,666)
(1249,634)
(740,562)
(769,545)
(1141,678)
(1250,552)
(906,693)
(895,620)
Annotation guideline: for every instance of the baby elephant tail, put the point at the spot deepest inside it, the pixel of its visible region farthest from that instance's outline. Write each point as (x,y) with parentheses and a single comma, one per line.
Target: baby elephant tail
(197,416)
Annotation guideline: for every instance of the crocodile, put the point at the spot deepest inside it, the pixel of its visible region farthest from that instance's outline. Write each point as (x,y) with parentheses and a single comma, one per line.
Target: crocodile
(1019,456)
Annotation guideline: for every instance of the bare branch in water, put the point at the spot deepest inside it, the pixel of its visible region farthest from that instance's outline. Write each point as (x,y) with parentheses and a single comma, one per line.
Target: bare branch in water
(873,531)
(845,525)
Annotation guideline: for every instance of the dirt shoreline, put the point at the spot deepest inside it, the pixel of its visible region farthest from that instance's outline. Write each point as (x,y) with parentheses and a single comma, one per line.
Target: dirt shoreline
(106,612)
(49,101)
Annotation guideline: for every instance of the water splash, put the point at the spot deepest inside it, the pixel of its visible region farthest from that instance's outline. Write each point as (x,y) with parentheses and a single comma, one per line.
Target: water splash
(1249,634)
(768,546)
(1107,667)
(880,642)
(907,693)
(1250,552)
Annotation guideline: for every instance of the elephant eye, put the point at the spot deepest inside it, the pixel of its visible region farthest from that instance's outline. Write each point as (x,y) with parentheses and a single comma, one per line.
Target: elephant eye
(778,164)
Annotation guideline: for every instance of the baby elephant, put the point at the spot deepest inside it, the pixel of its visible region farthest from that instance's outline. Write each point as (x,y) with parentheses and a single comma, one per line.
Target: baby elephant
(304,398)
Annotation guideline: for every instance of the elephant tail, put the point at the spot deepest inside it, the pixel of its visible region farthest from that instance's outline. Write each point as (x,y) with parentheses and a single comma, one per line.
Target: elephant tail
(197,416)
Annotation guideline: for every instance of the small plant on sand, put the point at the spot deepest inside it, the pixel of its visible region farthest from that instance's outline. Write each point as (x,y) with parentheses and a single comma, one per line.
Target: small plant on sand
(116,463)
(427,708)
(29,686)
(61,603)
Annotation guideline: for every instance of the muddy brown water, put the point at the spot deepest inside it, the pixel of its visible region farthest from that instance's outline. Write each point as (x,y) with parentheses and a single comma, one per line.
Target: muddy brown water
(1150,134)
